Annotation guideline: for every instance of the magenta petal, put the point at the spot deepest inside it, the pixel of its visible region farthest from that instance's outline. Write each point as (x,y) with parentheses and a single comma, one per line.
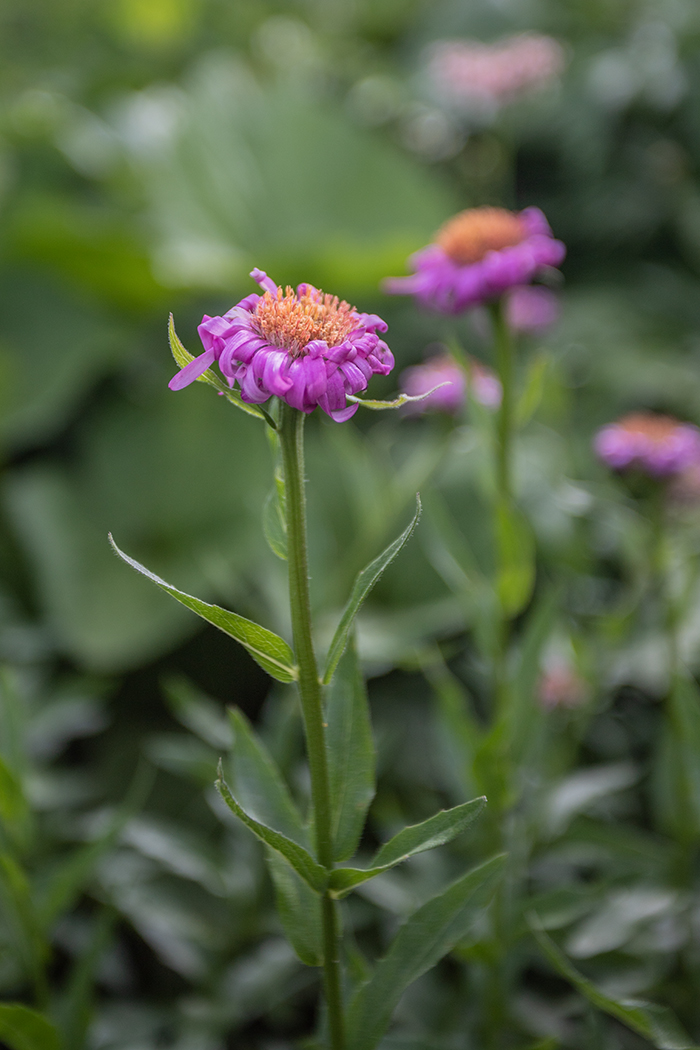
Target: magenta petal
(264,281)
(193,370)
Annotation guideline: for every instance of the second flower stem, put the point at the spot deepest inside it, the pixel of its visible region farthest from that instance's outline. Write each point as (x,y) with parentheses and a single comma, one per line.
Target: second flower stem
(291,435)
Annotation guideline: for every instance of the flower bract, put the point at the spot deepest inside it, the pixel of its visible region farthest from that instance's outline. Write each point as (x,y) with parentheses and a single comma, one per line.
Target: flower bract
(305,347)
(477,256)
(654,444)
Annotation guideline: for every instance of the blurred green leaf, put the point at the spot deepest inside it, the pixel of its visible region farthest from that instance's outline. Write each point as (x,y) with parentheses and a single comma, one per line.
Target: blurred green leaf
(421,942)
(417,838)
(531,396)
(25,1029)
(351,757)
(299,909)
(516,559)
(364,583)
(274,525)
(268,649)
(302,861)
(14,808)
(655,1023)
(197,712)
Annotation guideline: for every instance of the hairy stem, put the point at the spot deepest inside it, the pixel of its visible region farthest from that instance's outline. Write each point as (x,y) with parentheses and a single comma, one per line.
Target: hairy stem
(291,435)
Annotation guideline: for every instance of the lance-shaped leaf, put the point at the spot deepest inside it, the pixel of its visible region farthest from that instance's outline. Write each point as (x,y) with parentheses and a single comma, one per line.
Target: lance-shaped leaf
(421,942)
(656,1023)
(183,357)
(364,582)
(274,526)
(402,399)
(25,1029)
(351,756)
(299,858)
(417,838)
(258,783)
(268,649)
(299,908)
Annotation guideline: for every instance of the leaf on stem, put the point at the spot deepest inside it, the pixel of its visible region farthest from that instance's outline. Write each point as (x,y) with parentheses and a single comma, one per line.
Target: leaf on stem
(25,1029)
(417,838)
(269,650)
(299,858)
(428,935)
(364,582)
(516,559)
(274,525)
(351,757)
(258,783)
(299,908)
(183,357)
(402,399)
(531,396)
(656,1023)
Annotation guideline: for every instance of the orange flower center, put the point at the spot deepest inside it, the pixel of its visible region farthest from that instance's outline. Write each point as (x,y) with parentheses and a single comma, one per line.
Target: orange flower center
(657,429)
(290,321)
(468,236)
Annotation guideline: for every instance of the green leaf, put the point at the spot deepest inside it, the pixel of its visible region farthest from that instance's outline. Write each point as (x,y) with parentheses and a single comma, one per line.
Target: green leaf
(183,357)
(656,1023)
(299,909)
(268,649)
(402,399)
(685,737)
(417,838)
(516,559)
(364,582)
(351,757)
(258,783)
(296,855)
(25,1029)
(197,712)
(428,935)
(14,808)
(274,526)
(531,396)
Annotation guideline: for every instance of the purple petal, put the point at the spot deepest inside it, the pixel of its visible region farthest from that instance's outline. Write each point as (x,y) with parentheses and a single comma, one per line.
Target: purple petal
(193,370)
(264,281)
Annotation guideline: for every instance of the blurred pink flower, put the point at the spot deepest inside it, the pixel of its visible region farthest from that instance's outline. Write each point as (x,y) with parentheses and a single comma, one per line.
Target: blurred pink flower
(482,383)
(532,309)
(560,686)
(481,78)
(478,255)
(657,445)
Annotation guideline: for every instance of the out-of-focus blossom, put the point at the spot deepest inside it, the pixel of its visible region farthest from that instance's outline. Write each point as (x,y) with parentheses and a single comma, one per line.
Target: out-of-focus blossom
(477,256)
(656,445)
(483,385)
(480,79)
(532,309)
(684,489)
(305,347)
(560,686)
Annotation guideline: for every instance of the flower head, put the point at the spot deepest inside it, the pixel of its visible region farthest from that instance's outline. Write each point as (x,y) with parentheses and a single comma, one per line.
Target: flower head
(560,686)
(304,346)
(532,309)
(656,445)
(479,79)
(477,256)
(483,385)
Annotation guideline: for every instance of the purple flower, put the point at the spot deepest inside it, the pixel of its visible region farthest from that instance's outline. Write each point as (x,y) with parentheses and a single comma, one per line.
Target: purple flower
(305,347)
(483,385)
(477,256)
(657,445)
(531,309)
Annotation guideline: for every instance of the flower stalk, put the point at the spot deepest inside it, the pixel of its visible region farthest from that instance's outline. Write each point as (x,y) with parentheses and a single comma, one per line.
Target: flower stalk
(291,436)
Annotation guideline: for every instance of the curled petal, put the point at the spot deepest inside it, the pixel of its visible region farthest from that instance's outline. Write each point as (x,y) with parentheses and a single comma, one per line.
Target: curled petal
(192,371)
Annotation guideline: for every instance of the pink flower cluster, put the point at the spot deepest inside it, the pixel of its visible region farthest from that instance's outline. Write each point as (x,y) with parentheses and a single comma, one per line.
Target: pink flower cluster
(483,385)
(476,77)
(659,446)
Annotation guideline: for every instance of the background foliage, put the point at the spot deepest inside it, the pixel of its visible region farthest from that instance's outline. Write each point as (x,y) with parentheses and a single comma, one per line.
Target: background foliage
(151,153)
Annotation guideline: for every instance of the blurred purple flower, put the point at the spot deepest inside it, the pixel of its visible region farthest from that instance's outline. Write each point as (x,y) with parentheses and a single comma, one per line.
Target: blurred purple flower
(305,347)
(480,78)
(483,385)
(477,256)
(560,686)
(657,445)
(532,309)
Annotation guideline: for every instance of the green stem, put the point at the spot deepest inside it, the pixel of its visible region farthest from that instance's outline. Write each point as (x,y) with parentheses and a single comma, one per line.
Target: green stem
(504,365)
(291,435)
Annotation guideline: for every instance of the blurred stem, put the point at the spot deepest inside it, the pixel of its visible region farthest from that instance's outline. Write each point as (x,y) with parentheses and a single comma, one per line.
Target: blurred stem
(291,435)
(661,581)
(503,344)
